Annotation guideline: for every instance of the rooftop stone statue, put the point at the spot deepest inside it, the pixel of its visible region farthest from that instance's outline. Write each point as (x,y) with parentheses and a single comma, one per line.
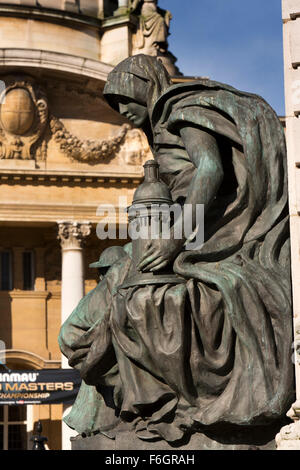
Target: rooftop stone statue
(154,28)
(172,361)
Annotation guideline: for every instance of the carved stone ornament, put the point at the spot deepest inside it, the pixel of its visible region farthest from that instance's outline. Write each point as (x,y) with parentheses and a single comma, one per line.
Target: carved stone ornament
(72,233)
(23,119)
(136,149)
(289,436)
(86,151)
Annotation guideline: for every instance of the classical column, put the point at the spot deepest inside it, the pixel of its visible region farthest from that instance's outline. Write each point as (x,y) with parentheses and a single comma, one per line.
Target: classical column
(71,235)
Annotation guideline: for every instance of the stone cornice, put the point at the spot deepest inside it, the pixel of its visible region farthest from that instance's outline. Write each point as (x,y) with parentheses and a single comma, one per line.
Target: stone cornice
(31,359)
(33,58)
(25,294)
(50,15)
(80,178)
(50,213)
(115,21)
(290,10)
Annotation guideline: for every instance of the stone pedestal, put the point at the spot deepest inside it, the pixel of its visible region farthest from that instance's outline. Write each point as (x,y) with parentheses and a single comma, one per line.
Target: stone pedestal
(225,438)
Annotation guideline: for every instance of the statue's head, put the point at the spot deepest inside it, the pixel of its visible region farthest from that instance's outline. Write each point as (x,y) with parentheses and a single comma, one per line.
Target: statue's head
(107,258)
(134,86)
(136,112)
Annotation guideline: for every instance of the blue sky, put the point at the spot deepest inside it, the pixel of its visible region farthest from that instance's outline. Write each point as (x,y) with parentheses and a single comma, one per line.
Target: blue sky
(237,42)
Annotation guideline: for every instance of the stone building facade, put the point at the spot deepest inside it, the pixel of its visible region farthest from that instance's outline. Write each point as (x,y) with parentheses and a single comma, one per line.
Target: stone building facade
(289,437)
(63,152)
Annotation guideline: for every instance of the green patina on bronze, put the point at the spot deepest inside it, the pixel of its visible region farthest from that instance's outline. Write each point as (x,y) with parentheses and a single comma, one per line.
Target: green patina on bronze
(173,359)
(79,331)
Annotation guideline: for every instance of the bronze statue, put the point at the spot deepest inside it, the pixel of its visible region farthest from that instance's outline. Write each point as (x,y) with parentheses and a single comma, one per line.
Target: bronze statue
(174,359)
(85,415)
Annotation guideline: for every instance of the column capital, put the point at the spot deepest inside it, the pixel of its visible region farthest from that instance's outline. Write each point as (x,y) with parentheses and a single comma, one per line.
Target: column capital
(72,233)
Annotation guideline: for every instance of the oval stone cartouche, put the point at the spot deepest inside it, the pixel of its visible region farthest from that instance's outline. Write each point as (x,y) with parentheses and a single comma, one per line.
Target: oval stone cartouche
(17,112)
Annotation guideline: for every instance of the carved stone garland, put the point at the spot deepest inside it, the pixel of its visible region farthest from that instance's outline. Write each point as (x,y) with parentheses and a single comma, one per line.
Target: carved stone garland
(86,151)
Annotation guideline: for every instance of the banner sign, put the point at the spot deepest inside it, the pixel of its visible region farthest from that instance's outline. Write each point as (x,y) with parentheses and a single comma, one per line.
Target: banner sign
(37,387)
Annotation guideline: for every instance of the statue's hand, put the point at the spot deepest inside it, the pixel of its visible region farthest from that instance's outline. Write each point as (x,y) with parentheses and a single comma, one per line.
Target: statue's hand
(159,254)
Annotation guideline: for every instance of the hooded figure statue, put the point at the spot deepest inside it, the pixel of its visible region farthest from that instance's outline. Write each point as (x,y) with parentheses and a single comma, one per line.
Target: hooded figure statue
(217,348)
